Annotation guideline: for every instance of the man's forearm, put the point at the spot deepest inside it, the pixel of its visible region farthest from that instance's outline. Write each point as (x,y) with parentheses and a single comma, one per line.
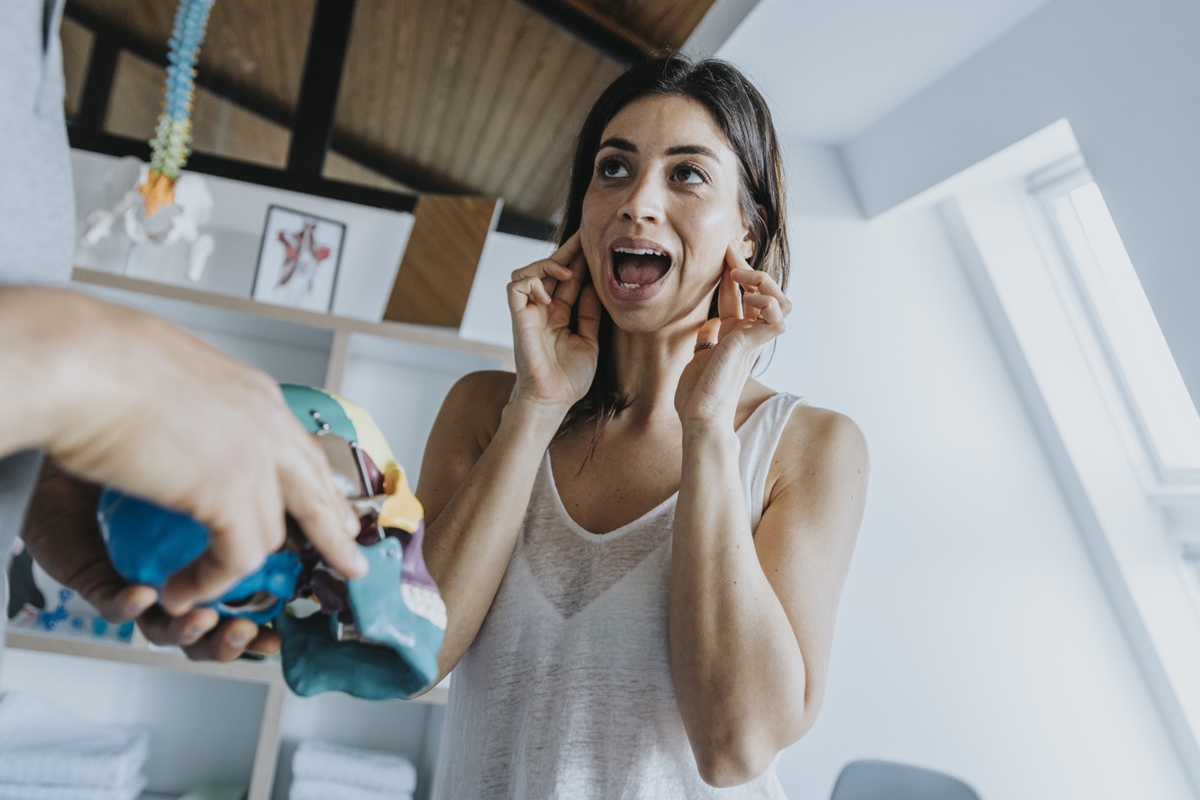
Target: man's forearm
(34,337)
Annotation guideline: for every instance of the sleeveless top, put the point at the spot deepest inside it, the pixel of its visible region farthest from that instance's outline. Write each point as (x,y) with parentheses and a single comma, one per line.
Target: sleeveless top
(566,691)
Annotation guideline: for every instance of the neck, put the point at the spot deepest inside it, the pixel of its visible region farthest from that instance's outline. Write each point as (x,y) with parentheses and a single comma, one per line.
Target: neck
(648,367)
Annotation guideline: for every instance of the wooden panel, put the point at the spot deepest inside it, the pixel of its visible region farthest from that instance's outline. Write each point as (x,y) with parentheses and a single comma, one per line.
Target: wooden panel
(256,45)
(218,126)
(340,168)
(439,262)
(664,23)
(77,51)
(484,95)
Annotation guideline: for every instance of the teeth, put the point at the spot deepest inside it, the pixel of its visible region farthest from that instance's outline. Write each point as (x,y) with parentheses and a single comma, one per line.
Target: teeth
(631,286)
(638,251)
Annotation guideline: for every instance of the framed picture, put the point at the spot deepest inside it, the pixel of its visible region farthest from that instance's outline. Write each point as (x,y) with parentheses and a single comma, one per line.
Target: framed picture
(298,260)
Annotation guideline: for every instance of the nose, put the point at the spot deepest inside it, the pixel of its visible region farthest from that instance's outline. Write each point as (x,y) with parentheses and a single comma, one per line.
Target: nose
(644,203)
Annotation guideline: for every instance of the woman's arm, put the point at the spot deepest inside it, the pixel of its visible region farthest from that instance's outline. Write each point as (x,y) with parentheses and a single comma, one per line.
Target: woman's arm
(483,454)
(751,615)
(476,478)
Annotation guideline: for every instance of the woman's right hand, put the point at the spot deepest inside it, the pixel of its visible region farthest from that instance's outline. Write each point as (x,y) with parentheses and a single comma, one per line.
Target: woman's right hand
(554,365)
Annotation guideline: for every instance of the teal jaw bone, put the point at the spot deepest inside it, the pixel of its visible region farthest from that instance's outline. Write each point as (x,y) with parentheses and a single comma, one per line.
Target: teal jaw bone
(402,663)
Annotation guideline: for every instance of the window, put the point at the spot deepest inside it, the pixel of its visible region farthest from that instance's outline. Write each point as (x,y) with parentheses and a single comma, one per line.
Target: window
(1140,357)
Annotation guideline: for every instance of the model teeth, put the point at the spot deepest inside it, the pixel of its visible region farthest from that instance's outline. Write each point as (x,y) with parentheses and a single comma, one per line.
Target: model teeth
(639,251)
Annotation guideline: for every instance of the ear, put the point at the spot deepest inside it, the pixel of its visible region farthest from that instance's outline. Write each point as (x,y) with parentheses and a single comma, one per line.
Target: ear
(747,244)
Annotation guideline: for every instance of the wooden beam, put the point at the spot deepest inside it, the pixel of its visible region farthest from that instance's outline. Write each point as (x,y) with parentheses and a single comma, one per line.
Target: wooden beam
(312,133)
(589,25)
(97,86)
(439,263)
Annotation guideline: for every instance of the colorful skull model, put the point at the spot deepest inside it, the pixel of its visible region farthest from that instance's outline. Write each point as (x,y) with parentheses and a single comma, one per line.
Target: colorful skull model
(374,637)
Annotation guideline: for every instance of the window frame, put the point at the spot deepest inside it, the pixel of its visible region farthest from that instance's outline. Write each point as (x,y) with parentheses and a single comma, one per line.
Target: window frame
(1046,187)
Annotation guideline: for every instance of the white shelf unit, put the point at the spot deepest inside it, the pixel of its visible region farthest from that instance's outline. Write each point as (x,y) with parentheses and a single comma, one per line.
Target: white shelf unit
(141,654)
(342,327)
(399,373)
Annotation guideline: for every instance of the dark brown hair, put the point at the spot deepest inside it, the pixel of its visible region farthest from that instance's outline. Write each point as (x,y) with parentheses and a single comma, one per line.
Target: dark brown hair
(743,117)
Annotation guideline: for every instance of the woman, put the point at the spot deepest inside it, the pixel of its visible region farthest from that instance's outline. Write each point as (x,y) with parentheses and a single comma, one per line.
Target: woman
(640,548)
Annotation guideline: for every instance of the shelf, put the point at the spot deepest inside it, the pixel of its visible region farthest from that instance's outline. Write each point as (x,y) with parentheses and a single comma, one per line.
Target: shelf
(241,669)
(416,334)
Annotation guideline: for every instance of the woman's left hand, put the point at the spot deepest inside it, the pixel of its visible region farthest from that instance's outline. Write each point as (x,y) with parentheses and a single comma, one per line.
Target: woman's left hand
(712,383)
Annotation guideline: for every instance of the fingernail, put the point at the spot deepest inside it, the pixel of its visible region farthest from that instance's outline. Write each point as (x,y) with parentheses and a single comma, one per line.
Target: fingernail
(192,635)
(131,610)
(353,526)
(239,638)
(360,563)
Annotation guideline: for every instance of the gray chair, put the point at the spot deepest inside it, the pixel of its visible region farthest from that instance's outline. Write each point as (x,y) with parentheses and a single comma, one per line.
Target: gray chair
(884,780)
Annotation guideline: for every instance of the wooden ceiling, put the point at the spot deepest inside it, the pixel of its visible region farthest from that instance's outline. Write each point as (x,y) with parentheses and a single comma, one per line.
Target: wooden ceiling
(663,23)
(466,96)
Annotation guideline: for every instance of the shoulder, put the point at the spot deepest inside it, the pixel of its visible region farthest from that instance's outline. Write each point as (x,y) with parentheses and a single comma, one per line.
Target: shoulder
(491,387)
(477,400)
(820,451)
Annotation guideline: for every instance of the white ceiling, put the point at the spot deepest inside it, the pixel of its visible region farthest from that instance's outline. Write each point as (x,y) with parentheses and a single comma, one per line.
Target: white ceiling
(831,68)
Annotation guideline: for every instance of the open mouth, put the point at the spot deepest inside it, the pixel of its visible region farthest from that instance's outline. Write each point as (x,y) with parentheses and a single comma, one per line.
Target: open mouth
(635,267)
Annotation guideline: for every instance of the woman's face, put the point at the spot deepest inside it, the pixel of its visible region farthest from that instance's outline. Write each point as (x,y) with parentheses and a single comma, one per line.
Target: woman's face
(660,212)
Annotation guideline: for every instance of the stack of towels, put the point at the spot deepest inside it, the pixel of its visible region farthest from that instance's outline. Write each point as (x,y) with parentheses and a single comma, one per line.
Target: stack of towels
(323,771)
(46,754)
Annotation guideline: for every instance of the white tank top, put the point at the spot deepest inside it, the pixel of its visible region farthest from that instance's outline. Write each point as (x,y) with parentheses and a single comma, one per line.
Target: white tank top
(566,691)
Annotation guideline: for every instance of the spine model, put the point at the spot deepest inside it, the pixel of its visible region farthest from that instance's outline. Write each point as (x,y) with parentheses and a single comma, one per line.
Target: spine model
(172,140)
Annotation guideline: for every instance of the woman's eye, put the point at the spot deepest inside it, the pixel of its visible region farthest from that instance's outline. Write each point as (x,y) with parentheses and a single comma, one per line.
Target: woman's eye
(688,175)
(613,169)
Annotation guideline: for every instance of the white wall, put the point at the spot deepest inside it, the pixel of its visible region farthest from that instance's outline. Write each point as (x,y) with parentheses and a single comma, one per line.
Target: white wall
(974,636)
(1124,72)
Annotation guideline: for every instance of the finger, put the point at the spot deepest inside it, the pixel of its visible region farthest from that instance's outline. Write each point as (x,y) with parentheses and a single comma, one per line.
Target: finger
(547,271)
(162,629)
(310,496)
(758,281)
(766,308)
(226,642)
(734,259)
(238,545)
(708,332)
(568,290)
(565,254)
(105,590)
(266,643)
(589,314)
(729,297)
(540,269)
(526,292)
(128,602)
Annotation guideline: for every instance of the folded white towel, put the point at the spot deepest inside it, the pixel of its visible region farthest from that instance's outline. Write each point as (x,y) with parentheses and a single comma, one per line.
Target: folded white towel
(41,745)
(310,789)
(27,791)
(368,769)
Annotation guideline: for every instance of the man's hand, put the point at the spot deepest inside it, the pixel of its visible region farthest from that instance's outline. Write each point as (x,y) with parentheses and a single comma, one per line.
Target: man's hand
(62,535)
(123,398)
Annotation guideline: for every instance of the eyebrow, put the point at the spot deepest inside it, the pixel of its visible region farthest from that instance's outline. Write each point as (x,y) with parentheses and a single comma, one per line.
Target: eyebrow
(618,143)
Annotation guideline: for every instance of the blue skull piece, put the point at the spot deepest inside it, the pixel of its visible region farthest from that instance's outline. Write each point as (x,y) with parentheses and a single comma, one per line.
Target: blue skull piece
(374,637)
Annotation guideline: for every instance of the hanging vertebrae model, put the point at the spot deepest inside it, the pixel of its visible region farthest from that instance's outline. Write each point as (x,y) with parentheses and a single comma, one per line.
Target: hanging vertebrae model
(172,140)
